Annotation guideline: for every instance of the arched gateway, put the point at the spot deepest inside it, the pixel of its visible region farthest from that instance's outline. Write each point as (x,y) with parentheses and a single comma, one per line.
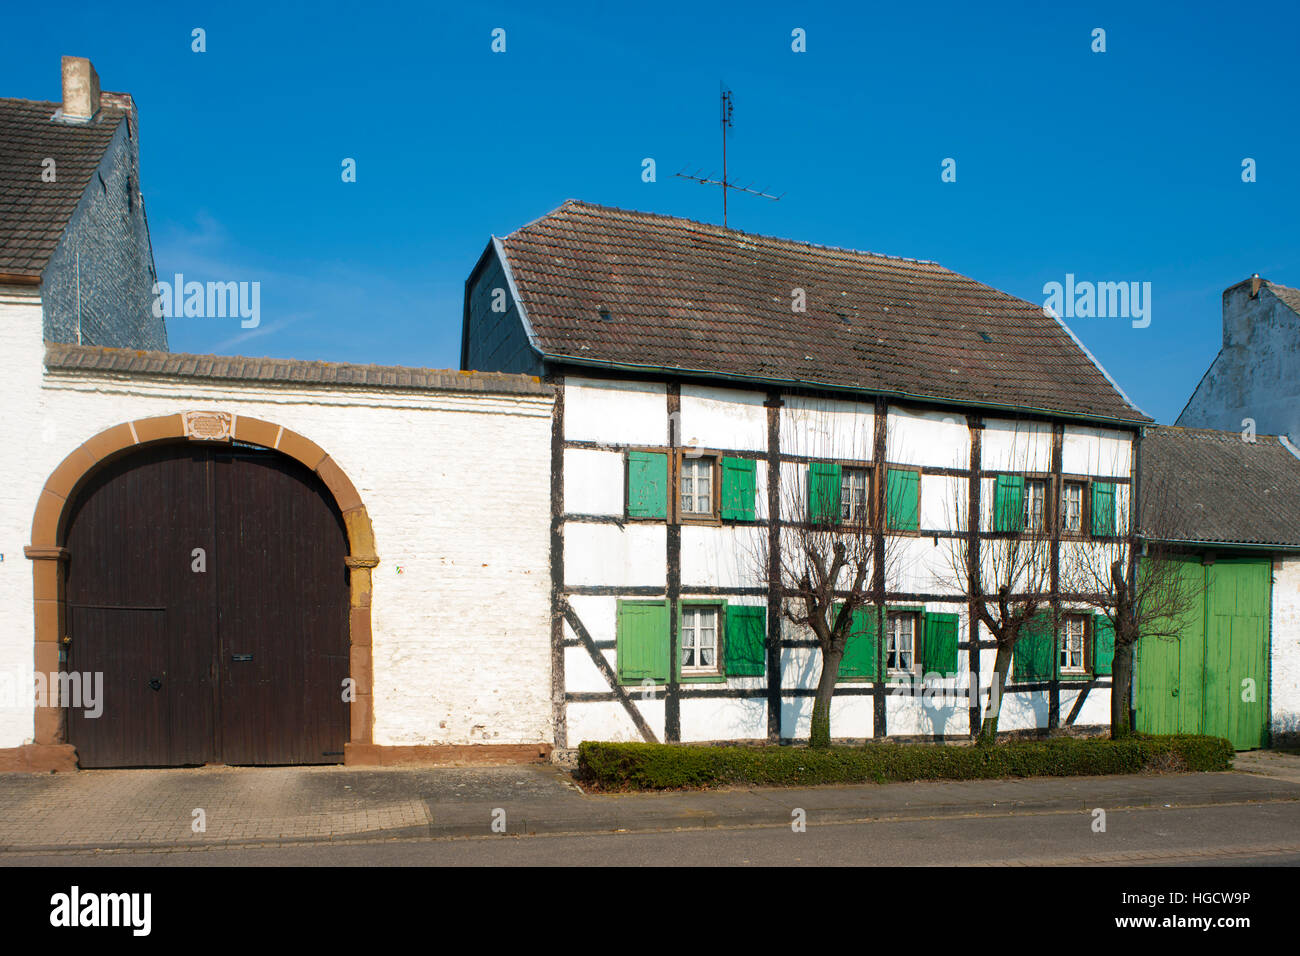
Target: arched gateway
(215,570)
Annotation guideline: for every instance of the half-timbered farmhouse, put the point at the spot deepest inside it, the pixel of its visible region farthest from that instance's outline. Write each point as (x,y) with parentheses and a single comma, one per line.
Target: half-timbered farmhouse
(701,375)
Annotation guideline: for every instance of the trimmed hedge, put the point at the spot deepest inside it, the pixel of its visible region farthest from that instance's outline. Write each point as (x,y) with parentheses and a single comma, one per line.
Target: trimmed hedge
(642,766)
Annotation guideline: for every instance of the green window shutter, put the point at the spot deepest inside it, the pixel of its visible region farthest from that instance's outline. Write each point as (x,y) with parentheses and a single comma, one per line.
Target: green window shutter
(1009,503)
(940,647)
(823,492)
(860,653)
(902,499)
(744,644)
(738,489)
(1103,508)
(642,641)
(1036,653)
(647,484)
(1103,644)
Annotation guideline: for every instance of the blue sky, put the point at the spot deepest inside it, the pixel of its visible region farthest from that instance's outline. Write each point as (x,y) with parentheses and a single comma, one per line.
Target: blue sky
(1115,166)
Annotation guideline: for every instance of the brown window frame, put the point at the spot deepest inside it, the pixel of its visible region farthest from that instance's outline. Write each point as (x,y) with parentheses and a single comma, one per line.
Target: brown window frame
(675,514)
(1085,510)
(869,472)
(1086,650)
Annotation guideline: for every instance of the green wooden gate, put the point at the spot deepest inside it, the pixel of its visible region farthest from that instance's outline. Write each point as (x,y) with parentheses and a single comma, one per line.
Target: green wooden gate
(1214,678)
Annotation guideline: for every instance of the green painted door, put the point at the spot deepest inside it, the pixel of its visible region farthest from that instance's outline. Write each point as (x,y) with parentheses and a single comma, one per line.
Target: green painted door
(1214,678)
(1236,662)
(1170,672)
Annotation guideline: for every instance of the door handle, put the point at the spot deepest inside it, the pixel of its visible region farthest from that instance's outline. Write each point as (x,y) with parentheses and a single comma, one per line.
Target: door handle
(155,683)
(241,658)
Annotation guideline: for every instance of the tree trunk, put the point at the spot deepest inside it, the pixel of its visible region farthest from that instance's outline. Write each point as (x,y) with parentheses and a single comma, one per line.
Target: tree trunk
(1121,691)
(1001,666)
(820,733)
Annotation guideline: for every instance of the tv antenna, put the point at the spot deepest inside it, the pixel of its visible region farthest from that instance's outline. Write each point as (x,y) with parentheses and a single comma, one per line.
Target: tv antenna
(724,182)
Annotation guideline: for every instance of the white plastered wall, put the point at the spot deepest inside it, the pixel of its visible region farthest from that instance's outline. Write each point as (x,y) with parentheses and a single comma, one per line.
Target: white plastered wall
(461,636)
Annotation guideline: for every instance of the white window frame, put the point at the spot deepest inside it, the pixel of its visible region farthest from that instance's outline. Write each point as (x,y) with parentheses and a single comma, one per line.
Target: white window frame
(893,649)
(1068,641)
(1030,485)
(689,639)
(849,514)
(701,467)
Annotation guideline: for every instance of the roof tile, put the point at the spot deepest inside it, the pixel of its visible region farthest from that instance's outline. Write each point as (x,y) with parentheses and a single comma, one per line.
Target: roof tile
(699,299)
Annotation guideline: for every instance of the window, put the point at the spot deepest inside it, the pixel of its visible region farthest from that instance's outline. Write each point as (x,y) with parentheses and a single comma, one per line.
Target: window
(697,486)
(1073,629)
(699,640)
(853,495)
(1072,508)
(1035,504)
(900,649)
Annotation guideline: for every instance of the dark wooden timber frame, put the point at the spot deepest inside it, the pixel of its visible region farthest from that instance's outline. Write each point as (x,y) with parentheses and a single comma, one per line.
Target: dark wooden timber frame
(48,555)
(674,591)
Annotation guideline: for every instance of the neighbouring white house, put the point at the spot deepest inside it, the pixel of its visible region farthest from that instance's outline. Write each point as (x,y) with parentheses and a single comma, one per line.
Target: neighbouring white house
(1252,386)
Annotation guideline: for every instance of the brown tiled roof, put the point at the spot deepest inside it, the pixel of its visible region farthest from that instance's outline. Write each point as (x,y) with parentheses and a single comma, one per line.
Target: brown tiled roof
(699,299)
(89,358)
(34,213)
(1201,485)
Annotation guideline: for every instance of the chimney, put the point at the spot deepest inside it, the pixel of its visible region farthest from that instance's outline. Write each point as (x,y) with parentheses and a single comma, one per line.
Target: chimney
(1254,285)
(80,90)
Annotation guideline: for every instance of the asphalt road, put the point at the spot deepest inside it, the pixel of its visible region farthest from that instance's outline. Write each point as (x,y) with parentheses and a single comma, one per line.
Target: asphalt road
(1222,835)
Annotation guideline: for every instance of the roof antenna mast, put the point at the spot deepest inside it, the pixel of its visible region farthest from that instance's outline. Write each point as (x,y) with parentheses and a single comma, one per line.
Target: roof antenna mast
(724,182)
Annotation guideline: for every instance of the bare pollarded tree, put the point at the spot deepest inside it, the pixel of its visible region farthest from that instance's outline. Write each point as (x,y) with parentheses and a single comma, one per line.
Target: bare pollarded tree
(833,551)
(1128,572)
(1004,563)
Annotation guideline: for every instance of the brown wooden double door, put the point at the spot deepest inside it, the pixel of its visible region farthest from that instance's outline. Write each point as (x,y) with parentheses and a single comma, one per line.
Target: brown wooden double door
(207,585)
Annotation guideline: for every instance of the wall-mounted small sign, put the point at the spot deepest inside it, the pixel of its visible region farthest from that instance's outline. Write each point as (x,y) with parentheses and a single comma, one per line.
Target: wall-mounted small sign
(207,426)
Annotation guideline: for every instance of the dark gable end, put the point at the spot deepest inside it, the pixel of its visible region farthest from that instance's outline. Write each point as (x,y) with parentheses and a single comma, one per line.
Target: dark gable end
(631,290)
(33,212)
(1204,486)
(495,334)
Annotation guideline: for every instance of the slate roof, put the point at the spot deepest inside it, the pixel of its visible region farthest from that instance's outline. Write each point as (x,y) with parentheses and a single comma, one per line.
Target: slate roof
(1206,486)
(89,358)
(34,213)
(699,299)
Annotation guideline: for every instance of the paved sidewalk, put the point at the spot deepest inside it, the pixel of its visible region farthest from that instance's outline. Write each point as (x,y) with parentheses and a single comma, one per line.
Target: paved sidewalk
(113,809)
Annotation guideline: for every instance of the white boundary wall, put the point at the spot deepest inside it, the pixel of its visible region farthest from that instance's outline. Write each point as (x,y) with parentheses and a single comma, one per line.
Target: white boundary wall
(457,487)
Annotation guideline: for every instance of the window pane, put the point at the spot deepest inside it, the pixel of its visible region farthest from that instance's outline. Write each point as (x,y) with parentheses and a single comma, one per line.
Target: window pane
(1072,507)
